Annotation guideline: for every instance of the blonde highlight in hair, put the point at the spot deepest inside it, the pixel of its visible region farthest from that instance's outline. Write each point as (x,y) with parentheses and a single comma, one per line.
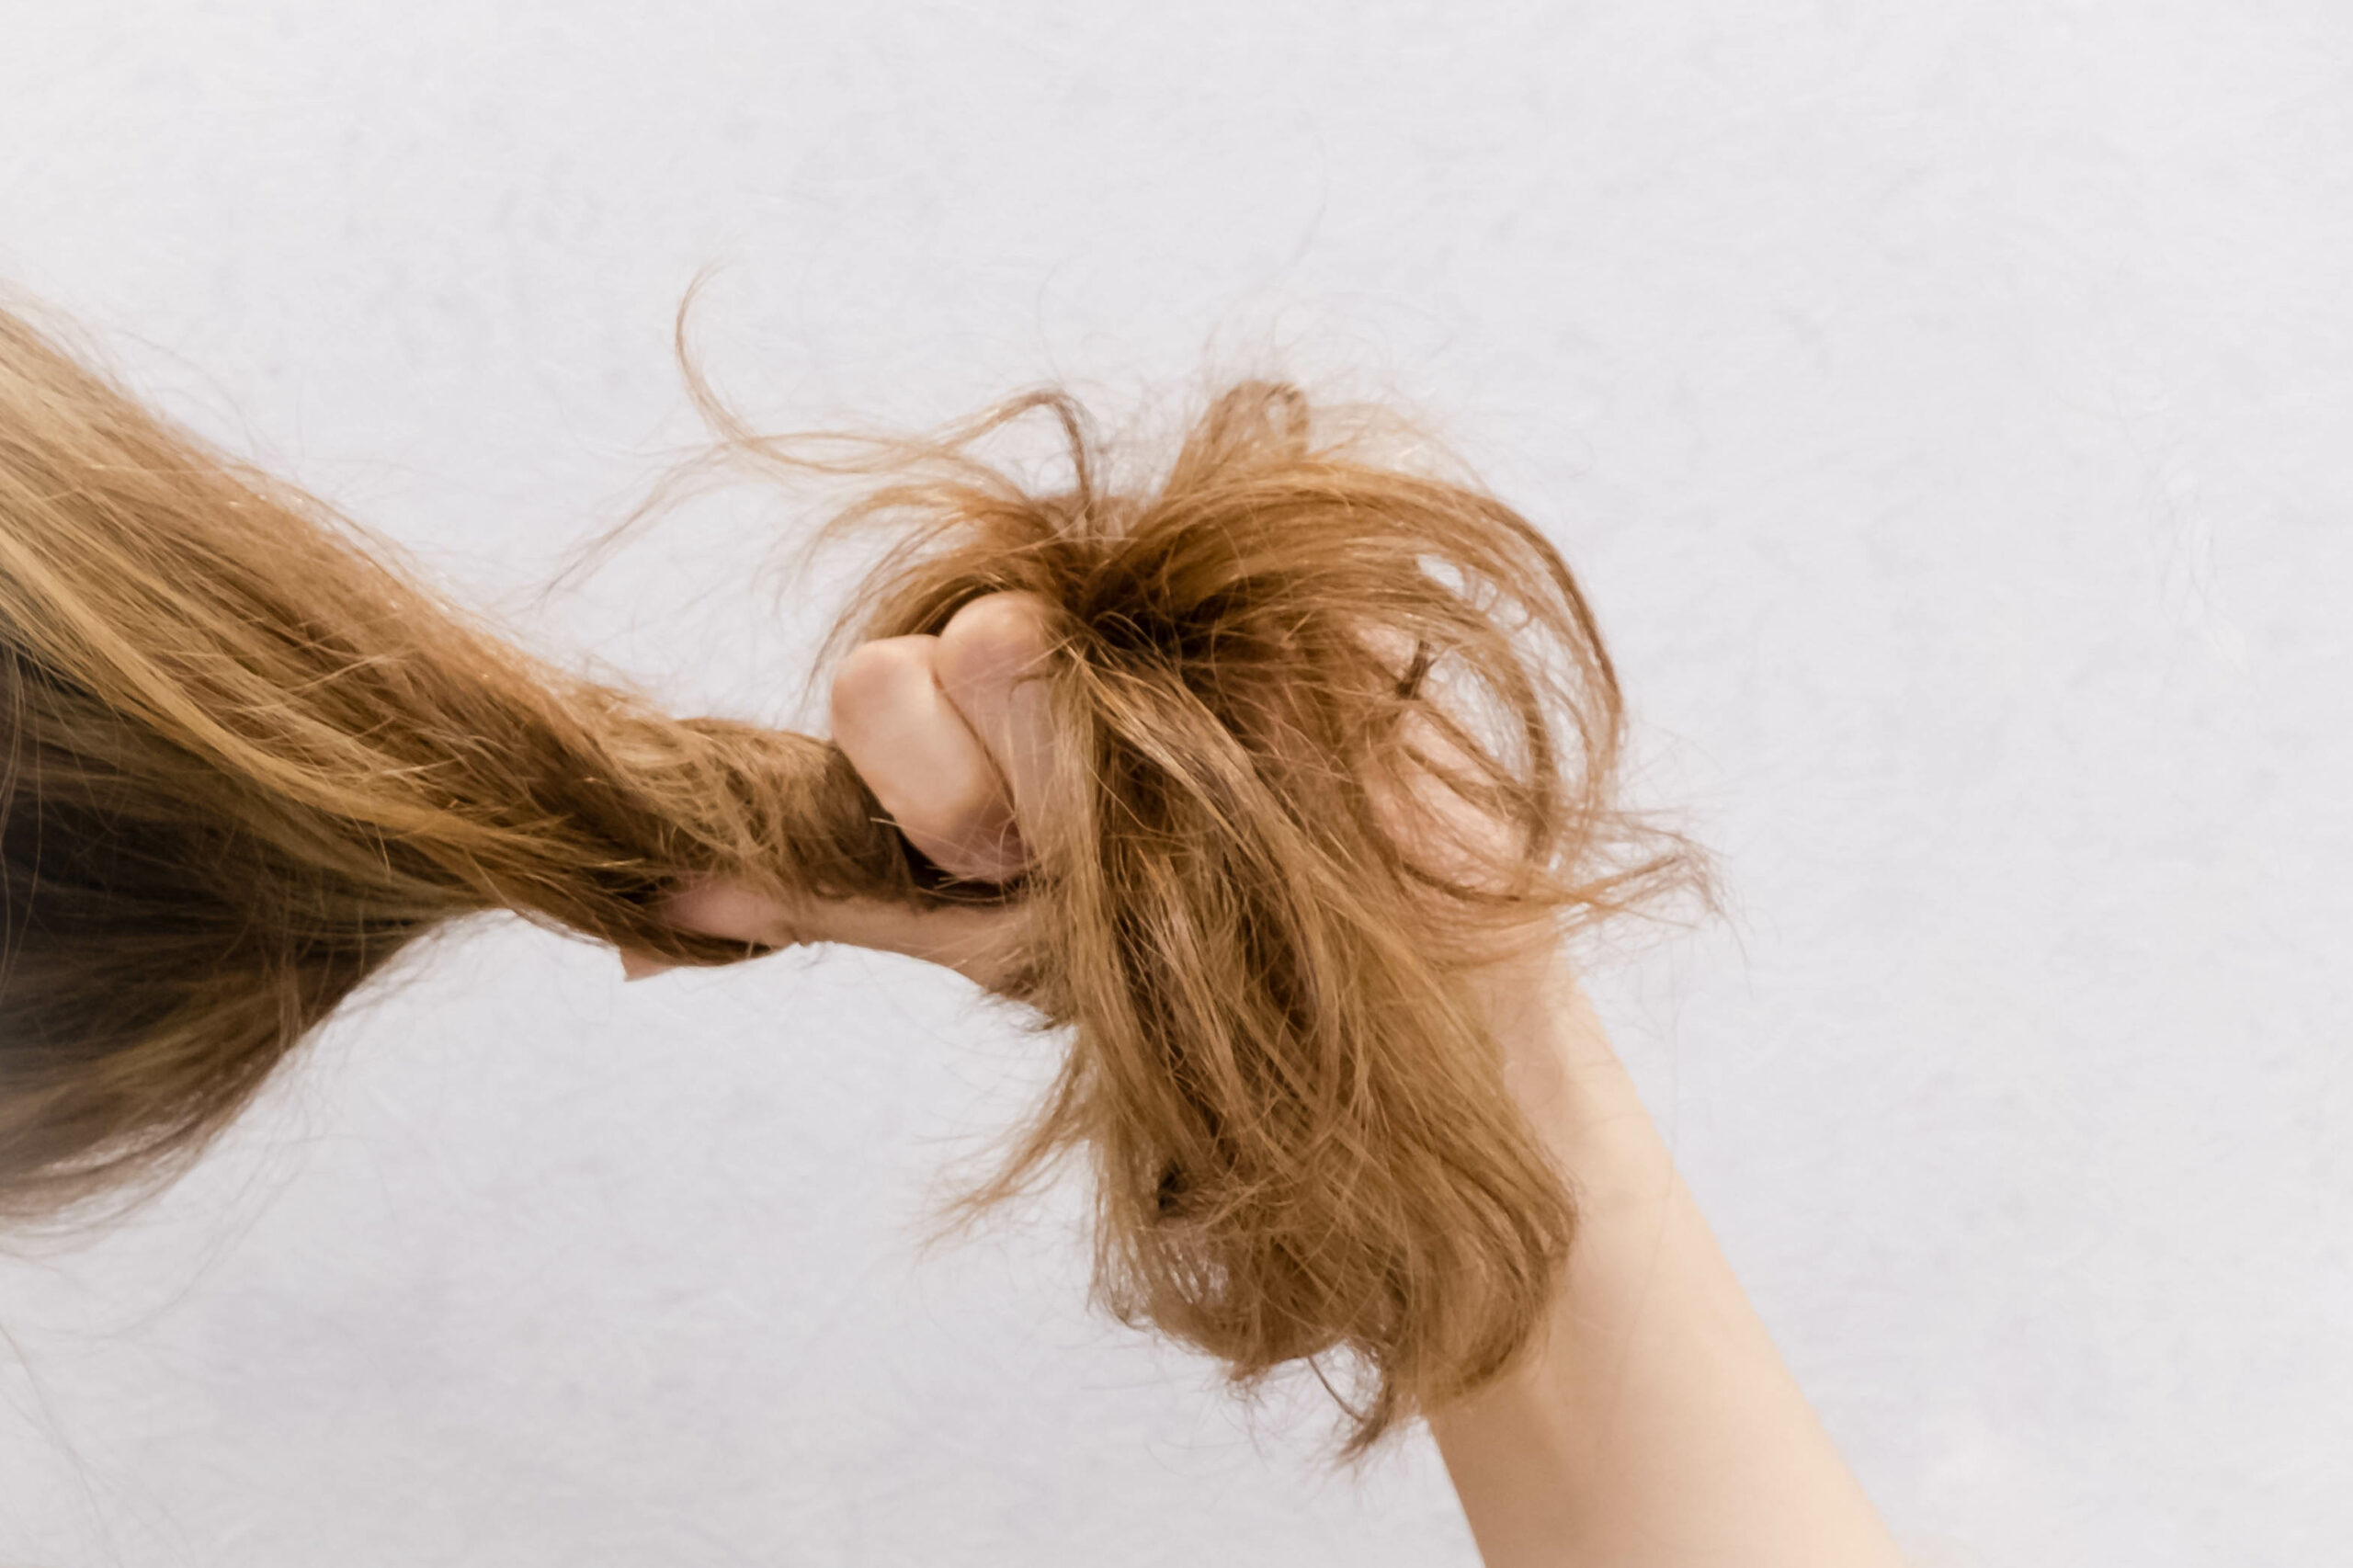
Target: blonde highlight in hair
(248,763)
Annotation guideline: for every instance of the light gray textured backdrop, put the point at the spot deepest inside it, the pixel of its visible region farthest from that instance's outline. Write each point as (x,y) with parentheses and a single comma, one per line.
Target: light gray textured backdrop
(1946,403)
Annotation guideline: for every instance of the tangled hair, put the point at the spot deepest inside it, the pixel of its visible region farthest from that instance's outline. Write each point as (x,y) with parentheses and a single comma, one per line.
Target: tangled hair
(246,763)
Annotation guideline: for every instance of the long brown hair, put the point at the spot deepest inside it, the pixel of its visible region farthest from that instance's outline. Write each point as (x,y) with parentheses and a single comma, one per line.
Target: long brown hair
(247,762)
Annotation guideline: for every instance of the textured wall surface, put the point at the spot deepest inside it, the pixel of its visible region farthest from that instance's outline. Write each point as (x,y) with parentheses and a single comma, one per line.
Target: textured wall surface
(1947,404)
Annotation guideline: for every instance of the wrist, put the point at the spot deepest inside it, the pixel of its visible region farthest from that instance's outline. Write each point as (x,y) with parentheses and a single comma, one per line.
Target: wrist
(1560,1067)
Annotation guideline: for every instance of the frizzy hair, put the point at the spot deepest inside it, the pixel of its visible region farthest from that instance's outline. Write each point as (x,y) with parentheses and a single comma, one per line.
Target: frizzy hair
(247,762)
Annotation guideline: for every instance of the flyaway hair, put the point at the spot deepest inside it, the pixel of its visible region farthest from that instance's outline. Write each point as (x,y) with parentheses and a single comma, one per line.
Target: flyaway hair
(244,762)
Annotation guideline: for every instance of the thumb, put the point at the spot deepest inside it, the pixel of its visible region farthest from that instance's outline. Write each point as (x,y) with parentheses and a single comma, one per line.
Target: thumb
(981,942)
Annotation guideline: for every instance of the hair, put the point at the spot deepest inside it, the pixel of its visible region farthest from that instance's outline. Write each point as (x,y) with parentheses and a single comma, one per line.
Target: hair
(247,762)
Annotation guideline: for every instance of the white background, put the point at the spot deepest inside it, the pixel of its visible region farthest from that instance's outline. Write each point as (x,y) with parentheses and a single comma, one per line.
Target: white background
(1947,404)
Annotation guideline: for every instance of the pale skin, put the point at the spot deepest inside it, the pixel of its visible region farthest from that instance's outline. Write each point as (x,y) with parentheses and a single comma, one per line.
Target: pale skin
(1655,1424)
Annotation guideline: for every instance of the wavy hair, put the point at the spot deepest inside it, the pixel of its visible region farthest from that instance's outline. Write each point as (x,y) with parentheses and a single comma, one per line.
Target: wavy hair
(246,761)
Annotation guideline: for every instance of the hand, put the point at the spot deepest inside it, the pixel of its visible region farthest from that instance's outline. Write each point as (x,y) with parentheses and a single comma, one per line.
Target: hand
(951,738)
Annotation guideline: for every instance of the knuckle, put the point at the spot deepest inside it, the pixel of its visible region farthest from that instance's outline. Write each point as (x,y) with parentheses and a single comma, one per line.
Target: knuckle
(876,675)
(999,637)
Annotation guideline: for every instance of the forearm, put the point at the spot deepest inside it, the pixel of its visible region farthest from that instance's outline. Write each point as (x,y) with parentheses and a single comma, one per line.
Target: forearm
(1656,1423)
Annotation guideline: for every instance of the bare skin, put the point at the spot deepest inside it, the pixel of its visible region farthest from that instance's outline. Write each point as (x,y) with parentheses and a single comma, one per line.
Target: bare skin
(1656,1425)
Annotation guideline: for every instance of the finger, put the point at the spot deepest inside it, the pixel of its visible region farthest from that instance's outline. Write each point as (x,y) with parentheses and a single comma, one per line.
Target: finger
(983,943)
(716,907)
(925,765)
(636,965)
(990,657)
